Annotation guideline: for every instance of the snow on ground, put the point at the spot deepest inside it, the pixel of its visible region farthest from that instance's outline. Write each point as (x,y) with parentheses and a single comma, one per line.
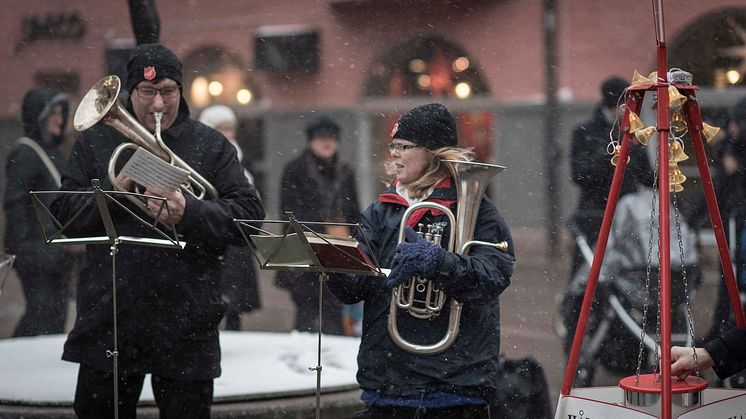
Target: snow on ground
(255,365)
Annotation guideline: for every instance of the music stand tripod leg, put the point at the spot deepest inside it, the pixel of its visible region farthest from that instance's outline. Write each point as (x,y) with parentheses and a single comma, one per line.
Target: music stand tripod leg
(101,203)
(323,276)
(114,353)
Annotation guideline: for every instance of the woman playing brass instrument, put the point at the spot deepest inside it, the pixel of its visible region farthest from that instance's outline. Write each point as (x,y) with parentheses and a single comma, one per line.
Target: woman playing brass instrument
(459,379)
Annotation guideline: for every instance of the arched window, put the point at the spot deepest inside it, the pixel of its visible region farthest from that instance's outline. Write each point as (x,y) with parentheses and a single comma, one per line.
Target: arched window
(216,75)
(434,70)
(713,49)
(426,66)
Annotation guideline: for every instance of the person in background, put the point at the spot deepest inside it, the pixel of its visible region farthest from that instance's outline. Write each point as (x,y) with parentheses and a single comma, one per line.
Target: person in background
(697,212)
(169,301)
(462,380)
(726,355)
(591,170)
(34,165)
(318,186)
(721,118)
(237,273)
(729,181)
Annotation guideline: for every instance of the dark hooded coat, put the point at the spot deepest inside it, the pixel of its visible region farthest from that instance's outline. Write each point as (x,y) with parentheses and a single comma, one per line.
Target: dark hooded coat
(168,300)
(26,172)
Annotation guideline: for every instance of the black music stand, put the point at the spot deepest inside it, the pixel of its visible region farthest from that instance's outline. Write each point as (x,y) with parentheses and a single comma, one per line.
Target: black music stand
(273,258)
(102,199)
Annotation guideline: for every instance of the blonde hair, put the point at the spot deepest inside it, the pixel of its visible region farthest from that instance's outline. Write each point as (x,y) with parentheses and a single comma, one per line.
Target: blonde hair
(435,170)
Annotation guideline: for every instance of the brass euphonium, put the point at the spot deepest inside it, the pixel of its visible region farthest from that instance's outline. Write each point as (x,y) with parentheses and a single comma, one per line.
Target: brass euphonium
(101,104)
(419,296)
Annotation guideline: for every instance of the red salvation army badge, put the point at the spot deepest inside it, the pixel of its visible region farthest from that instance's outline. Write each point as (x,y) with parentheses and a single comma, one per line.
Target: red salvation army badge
(393,130)
(149,73)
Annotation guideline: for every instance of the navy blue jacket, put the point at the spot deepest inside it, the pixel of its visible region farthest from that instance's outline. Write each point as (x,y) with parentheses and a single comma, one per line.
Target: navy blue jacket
(469,367)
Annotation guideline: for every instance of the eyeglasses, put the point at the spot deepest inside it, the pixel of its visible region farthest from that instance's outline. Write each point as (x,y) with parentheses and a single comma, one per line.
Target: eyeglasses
(169,92)
(399,147)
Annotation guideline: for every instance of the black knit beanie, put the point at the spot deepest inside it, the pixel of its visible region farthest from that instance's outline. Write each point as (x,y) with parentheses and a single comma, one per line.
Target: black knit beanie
(611,89)
(322,127)
(152,62)
(430,126)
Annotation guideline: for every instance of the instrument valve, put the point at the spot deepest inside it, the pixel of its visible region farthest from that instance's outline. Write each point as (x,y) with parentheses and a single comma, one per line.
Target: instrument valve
(429,234)
(437,234)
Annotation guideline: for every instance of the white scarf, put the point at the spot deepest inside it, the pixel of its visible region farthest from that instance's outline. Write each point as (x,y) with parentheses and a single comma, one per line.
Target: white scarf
(403,192)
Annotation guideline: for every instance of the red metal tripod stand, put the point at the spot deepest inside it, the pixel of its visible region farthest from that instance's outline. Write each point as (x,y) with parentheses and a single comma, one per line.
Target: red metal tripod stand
(635,96)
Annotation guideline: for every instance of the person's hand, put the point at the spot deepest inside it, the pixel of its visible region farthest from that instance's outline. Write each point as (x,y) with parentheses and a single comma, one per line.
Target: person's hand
(416,257)
(683,361)
(175,201)
(123,183)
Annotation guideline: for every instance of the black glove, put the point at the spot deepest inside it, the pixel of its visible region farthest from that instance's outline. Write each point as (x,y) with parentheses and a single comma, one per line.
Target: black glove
(416,257)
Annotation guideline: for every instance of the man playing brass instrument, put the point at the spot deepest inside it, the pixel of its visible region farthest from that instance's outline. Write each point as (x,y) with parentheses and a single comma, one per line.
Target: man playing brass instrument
(169,302)
(460,380)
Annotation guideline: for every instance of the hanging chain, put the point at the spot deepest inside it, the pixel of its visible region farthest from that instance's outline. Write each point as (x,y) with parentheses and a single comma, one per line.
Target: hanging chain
(648,269)
(657,356)
(614,143)
(689,316)
(620,101)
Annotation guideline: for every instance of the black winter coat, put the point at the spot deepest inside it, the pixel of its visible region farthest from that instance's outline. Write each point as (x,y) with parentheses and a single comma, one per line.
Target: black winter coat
(592,172)
(470,366)
(168,300)
(730,188)
(27,172)
(729,352)
(316,191)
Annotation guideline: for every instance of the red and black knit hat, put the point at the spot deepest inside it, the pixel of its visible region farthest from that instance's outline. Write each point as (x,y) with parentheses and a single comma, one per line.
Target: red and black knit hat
(152,62)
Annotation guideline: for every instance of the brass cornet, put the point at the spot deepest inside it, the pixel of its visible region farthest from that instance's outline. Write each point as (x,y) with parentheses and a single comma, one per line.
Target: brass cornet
(101,104)
(419,296)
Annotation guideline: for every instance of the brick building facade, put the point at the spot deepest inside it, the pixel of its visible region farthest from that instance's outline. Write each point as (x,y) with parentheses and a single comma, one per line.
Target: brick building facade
(366,61)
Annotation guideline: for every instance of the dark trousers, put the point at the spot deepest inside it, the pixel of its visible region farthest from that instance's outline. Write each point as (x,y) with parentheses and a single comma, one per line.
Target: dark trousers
(232,319)
(455,412)
(46,301)
(304,290)
(94,396)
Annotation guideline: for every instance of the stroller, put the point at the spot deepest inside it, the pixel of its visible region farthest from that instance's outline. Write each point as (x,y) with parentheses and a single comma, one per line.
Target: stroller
(628,279)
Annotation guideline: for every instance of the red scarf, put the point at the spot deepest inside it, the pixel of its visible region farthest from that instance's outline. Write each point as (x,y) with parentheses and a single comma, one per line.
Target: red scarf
(416,216)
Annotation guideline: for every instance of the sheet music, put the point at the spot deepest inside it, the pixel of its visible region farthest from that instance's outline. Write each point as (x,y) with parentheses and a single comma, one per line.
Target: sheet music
(337,253)
(147,169)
